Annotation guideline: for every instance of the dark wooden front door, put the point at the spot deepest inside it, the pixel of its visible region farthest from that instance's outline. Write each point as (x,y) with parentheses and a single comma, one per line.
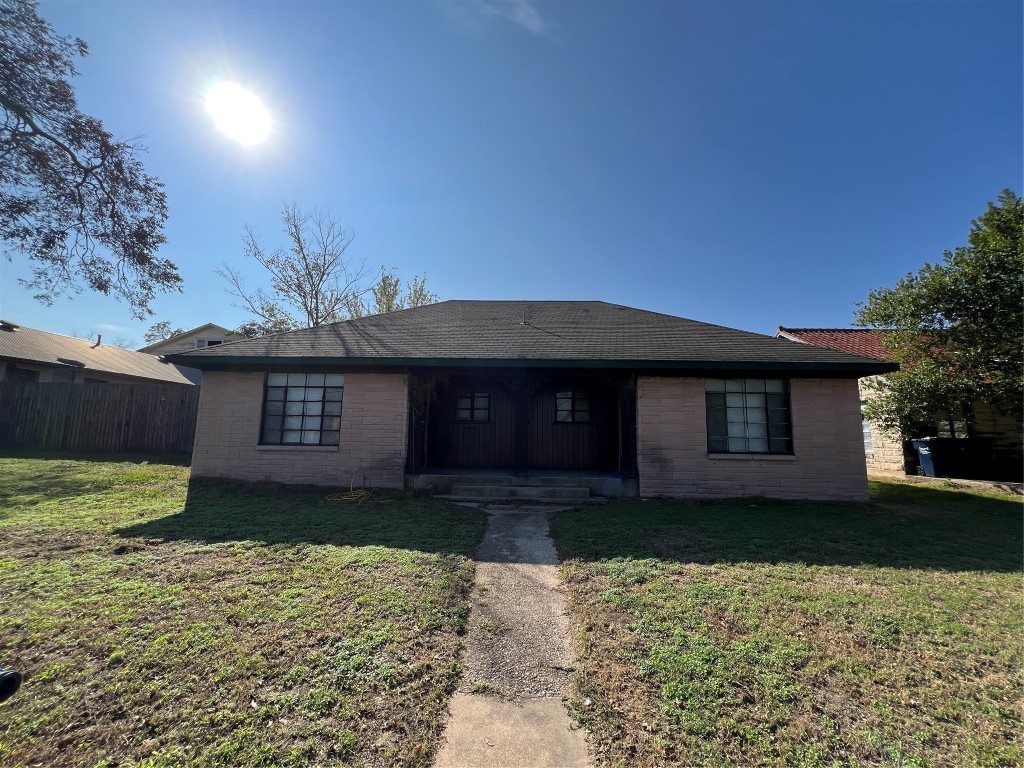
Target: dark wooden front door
(568,425)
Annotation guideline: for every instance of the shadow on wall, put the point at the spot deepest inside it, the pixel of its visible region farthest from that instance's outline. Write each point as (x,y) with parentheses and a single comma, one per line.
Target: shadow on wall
(905,526)
(219,511)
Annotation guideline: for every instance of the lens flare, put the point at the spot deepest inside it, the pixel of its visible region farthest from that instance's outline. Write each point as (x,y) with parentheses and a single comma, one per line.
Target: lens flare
(238,113)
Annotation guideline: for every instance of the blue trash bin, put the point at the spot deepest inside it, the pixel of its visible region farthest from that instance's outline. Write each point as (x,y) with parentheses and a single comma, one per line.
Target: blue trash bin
(924,456)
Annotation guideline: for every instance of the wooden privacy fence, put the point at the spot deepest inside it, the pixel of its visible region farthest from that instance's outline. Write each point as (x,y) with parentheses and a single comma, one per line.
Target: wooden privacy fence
(142,418)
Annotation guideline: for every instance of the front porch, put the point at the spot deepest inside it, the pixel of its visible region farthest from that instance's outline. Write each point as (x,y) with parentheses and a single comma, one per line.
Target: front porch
(494,429)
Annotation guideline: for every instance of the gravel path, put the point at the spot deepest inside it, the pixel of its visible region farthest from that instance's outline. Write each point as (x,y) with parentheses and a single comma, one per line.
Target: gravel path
(509,711)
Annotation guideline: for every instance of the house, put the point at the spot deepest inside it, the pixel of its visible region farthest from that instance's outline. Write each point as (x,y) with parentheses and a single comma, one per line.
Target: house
(996,431)
(208,335)
(526,392)
(27,354)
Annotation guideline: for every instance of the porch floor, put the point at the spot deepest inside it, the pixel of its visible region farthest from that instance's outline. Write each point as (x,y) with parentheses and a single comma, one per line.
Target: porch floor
(596,483)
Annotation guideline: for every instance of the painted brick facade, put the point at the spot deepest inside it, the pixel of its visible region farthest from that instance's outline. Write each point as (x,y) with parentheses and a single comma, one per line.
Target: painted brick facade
(374,422)
(828,462)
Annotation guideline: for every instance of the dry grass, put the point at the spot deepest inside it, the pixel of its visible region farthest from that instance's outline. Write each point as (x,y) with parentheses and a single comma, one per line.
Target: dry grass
(756,633)
(223,625)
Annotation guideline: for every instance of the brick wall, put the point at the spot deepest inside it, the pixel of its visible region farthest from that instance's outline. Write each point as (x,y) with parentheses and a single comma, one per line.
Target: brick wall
(828,461)
(886,455)
(374,419)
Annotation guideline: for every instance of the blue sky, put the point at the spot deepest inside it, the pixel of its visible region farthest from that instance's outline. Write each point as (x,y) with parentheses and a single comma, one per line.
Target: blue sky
(743,163)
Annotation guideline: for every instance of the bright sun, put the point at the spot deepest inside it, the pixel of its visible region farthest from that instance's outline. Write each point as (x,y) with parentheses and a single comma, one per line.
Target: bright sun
(238,113)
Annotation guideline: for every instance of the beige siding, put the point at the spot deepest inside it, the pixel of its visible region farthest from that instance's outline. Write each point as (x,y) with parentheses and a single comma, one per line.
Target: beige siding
(374,423)
(828,461)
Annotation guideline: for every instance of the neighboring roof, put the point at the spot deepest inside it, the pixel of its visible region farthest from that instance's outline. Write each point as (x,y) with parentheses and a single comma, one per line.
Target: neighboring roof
(31,346)
(182,335)
(866,342)
(527,333)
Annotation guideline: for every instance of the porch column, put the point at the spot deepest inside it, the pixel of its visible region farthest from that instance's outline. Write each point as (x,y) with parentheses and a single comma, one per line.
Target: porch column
(625,392)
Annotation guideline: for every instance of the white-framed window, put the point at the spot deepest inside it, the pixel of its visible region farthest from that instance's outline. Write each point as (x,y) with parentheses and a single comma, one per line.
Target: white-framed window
(869,438)
(748,416)
(302,409)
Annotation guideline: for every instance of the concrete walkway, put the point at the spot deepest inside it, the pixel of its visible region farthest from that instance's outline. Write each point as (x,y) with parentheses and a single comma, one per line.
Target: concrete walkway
(508,712)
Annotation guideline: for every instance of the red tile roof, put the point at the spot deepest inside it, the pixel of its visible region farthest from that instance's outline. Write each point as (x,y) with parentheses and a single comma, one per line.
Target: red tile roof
(866,342)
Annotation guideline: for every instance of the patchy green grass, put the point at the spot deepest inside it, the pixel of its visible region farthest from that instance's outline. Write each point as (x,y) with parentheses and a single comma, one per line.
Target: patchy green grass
(786,634)
(162,625)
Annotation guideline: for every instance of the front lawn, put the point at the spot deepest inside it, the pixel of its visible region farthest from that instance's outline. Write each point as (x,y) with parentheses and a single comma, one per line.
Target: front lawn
(766,633)
(163,626)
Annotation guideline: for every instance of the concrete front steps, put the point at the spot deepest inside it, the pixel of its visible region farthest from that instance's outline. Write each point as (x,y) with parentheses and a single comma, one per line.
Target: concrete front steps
(552,487)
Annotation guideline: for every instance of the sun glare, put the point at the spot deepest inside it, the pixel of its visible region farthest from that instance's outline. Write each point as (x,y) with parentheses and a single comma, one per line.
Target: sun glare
(238,113)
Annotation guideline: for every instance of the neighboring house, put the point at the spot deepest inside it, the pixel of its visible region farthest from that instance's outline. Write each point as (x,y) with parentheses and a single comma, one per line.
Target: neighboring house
(209,335)
(889,454)
(30,355)
(528,390)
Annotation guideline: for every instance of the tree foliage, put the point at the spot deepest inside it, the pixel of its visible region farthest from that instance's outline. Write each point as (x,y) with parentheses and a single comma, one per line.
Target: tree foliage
(312,281)
(161,331)
(955,327)
(73,199)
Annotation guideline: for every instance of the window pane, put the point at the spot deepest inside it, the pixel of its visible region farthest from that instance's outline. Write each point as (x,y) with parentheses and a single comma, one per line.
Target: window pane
(734,415)
(333,394)
(296,393)
(296,379)
(775,385)
(275,394)
(734,385)
(563,403)
(564,416)
(315,393)
(718,445)
(332,423)
(757,415)
(738,444)
(734,400)
(737,430)
(780,445)
(714,385)
(335,380)
(757,430)
(311,437)
(275,407)
(755,401)
(463,414)
(716,402)
(757,444)
(480,401)
(564,393)
(314,409)
(754,385)
(582,416)
(311,422)
(290,437)
(277,379)
(332,409)
(717,430)
(293,409)
(329,438)
(292,422)
(272,422)
(314,380)
(464,402)
(271,436)
(776,401)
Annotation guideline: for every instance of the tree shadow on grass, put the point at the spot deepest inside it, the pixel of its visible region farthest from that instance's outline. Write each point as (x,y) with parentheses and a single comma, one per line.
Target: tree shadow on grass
(904,527)
(219,511)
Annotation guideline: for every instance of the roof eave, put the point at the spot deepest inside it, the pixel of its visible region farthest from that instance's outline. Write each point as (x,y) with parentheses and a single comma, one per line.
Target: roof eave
(854,369)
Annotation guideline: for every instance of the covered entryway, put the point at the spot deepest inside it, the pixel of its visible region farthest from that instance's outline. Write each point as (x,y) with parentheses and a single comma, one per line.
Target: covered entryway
(523,422)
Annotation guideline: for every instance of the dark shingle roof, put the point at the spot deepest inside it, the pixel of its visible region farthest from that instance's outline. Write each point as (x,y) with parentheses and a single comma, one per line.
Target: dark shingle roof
(545,332)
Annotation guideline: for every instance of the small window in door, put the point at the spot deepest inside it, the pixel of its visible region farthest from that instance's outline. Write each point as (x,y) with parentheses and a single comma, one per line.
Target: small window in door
(472,405)
(572,406)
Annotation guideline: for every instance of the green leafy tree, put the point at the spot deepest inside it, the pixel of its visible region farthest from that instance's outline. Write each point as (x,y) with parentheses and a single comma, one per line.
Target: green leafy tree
(161,331)
(73,199)
(955,327)
(388,296)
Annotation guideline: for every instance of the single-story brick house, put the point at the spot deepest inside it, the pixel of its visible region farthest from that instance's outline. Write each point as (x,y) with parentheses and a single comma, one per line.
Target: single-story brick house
(662,404)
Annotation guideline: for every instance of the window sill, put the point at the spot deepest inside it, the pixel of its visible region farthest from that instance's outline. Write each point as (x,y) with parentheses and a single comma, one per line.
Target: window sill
(753,456)
(297,447)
